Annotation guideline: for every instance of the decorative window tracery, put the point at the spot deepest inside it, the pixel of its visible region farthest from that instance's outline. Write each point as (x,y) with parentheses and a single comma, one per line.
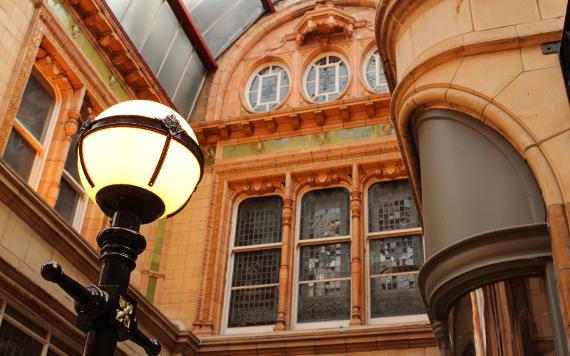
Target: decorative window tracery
(374,73)
(326,78)
(268,88)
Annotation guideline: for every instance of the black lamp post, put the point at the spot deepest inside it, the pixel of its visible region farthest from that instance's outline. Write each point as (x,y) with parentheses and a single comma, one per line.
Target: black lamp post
(139,161)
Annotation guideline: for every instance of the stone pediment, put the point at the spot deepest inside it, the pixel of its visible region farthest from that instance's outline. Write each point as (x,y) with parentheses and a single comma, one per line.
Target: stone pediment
(325,19)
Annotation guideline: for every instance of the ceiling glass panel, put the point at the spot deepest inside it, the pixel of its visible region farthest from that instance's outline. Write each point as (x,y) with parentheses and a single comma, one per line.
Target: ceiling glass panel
(231,25)
(161,35)
(173,68)
(138,19)
(190,85)
(118,7)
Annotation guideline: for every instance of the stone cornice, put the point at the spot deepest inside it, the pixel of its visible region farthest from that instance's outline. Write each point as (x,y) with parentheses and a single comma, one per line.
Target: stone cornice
(366,338)
(290,122)
(114,44)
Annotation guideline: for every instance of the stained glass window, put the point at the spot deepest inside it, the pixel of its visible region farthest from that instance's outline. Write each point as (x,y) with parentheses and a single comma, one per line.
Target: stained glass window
(326,79)
(324,289)
(394,260)
(255,273)
(258,221)
(324,283)
(325,213)
(374,73)
(268,88)
(391,207)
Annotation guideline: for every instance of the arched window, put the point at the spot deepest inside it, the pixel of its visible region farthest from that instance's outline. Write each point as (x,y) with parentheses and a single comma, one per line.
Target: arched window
(268,88)
(374,74)
(29,140)
(254,263)
(326,78)
(324,282)
(396,250)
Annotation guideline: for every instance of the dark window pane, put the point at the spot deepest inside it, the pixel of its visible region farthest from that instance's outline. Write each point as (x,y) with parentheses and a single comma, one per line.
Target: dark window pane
(251,307)
(391,207)
(324,213)
(324,262)
(395,295)
(35,108)
(71,160)
(19,155)
(324,301)
(63,346)
(255,268)
(395,255)
(24,320)
(14,342)
(67,200)
(259,221)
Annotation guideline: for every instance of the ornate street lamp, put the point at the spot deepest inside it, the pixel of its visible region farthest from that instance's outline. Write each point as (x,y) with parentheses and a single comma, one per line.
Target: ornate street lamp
(139,161)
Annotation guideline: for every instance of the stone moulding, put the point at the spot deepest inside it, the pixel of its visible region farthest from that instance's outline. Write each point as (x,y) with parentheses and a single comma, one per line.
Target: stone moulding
(290,122)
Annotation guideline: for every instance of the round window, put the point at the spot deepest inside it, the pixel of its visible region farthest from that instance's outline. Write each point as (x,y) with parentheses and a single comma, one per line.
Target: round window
(326,79)
(267,88)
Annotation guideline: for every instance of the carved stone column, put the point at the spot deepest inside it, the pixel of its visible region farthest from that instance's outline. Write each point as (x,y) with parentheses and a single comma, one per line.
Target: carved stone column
(285,268)
(356,244)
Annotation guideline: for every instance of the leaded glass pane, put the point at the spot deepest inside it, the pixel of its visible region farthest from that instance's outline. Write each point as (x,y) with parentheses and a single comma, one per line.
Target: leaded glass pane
(396,255)
(325,213)
(35,108)
(272,85)
(395,295)
(312,76)
(256,268)
(67,200)
(14,342)
(327,79)
(324,262)
(252,307)
(269,89)
(19,155)
(324,301)
(258,221)
(375,75)
(391,207)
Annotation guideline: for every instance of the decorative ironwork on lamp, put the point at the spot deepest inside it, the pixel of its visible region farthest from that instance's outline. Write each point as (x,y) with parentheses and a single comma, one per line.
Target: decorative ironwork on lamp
(139,161)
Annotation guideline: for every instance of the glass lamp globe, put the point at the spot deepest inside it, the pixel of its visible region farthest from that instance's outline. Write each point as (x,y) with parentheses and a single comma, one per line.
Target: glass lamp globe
(139,156)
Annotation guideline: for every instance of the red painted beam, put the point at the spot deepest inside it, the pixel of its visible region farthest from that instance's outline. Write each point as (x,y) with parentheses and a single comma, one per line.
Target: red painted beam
(191,30)
(268,5)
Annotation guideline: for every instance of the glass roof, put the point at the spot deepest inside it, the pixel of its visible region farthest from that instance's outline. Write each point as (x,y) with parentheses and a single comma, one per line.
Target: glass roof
(154,30)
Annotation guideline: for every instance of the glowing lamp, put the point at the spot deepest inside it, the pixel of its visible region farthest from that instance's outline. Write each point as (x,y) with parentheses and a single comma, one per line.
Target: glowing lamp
(139,156)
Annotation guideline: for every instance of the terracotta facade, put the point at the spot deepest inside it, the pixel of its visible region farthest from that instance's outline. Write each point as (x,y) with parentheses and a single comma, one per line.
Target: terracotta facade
(479,58)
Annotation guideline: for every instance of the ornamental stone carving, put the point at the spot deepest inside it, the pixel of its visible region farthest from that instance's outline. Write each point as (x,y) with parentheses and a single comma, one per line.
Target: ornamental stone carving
(325,19)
